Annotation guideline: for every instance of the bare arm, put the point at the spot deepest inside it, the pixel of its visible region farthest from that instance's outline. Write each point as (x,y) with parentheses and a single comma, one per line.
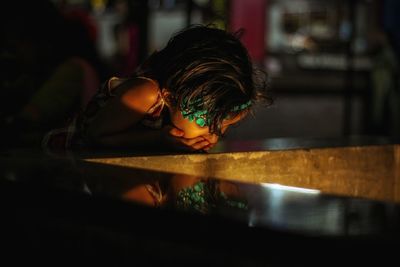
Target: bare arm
(114,124)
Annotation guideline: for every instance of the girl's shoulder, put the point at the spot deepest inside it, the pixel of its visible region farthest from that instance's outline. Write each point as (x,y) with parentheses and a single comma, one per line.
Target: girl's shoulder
(135,92)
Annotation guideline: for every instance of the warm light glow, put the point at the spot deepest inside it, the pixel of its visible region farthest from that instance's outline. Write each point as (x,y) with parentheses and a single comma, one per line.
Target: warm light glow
(291,188)
(99,5)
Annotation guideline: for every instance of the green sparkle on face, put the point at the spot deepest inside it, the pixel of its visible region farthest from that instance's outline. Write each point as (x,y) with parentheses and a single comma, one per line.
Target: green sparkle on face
(201,122)
(202,197)
(193,112)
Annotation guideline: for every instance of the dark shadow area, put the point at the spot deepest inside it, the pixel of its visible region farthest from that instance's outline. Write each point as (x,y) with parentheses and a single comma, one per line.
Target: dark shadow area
(51,69)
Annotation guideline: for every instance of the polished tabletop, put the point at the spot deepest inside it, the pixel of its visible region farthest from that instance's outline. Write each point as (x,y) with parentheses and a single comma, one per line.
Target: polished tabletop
(274,212)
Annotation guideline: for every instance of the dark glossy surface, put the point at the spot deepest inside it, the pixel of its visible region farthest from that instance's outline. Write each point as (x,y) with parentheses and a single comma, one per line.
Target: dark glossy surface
(71,207)
(273,206)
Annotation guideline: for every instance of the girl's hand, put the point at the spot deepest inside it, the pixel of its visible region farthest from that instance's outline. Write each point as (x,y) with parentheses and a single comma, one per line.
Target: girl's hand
(174,138)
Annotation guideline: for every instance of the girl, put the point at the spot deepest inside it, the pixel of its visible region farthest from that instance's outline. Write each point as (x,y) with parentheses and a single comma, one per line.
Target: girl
(183,97)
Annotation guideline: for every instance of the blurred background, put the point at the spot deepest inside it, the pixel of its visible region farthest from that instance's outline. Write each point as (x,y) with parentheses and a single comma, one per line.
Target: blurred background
(332,64)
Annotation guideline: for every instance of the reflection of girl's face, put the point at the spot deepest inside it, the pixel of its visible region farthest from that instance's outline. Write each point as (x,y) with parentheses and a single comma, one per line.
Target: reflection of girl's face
(192,129)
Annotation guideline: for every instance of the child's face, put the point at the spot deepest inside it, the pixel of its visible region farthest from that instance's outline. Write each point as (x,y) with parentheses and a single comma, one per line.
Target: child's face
(193,130)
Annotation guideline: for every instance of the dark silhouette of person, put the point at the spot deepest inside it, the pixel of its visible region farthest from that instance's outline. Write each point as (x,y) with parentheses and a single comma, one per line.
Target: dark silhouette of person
(52,70)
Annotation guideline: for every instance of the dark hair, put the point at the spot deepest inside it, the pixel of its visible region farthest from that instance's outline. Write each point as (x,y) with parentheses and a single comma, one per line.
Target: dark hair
(202,62)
